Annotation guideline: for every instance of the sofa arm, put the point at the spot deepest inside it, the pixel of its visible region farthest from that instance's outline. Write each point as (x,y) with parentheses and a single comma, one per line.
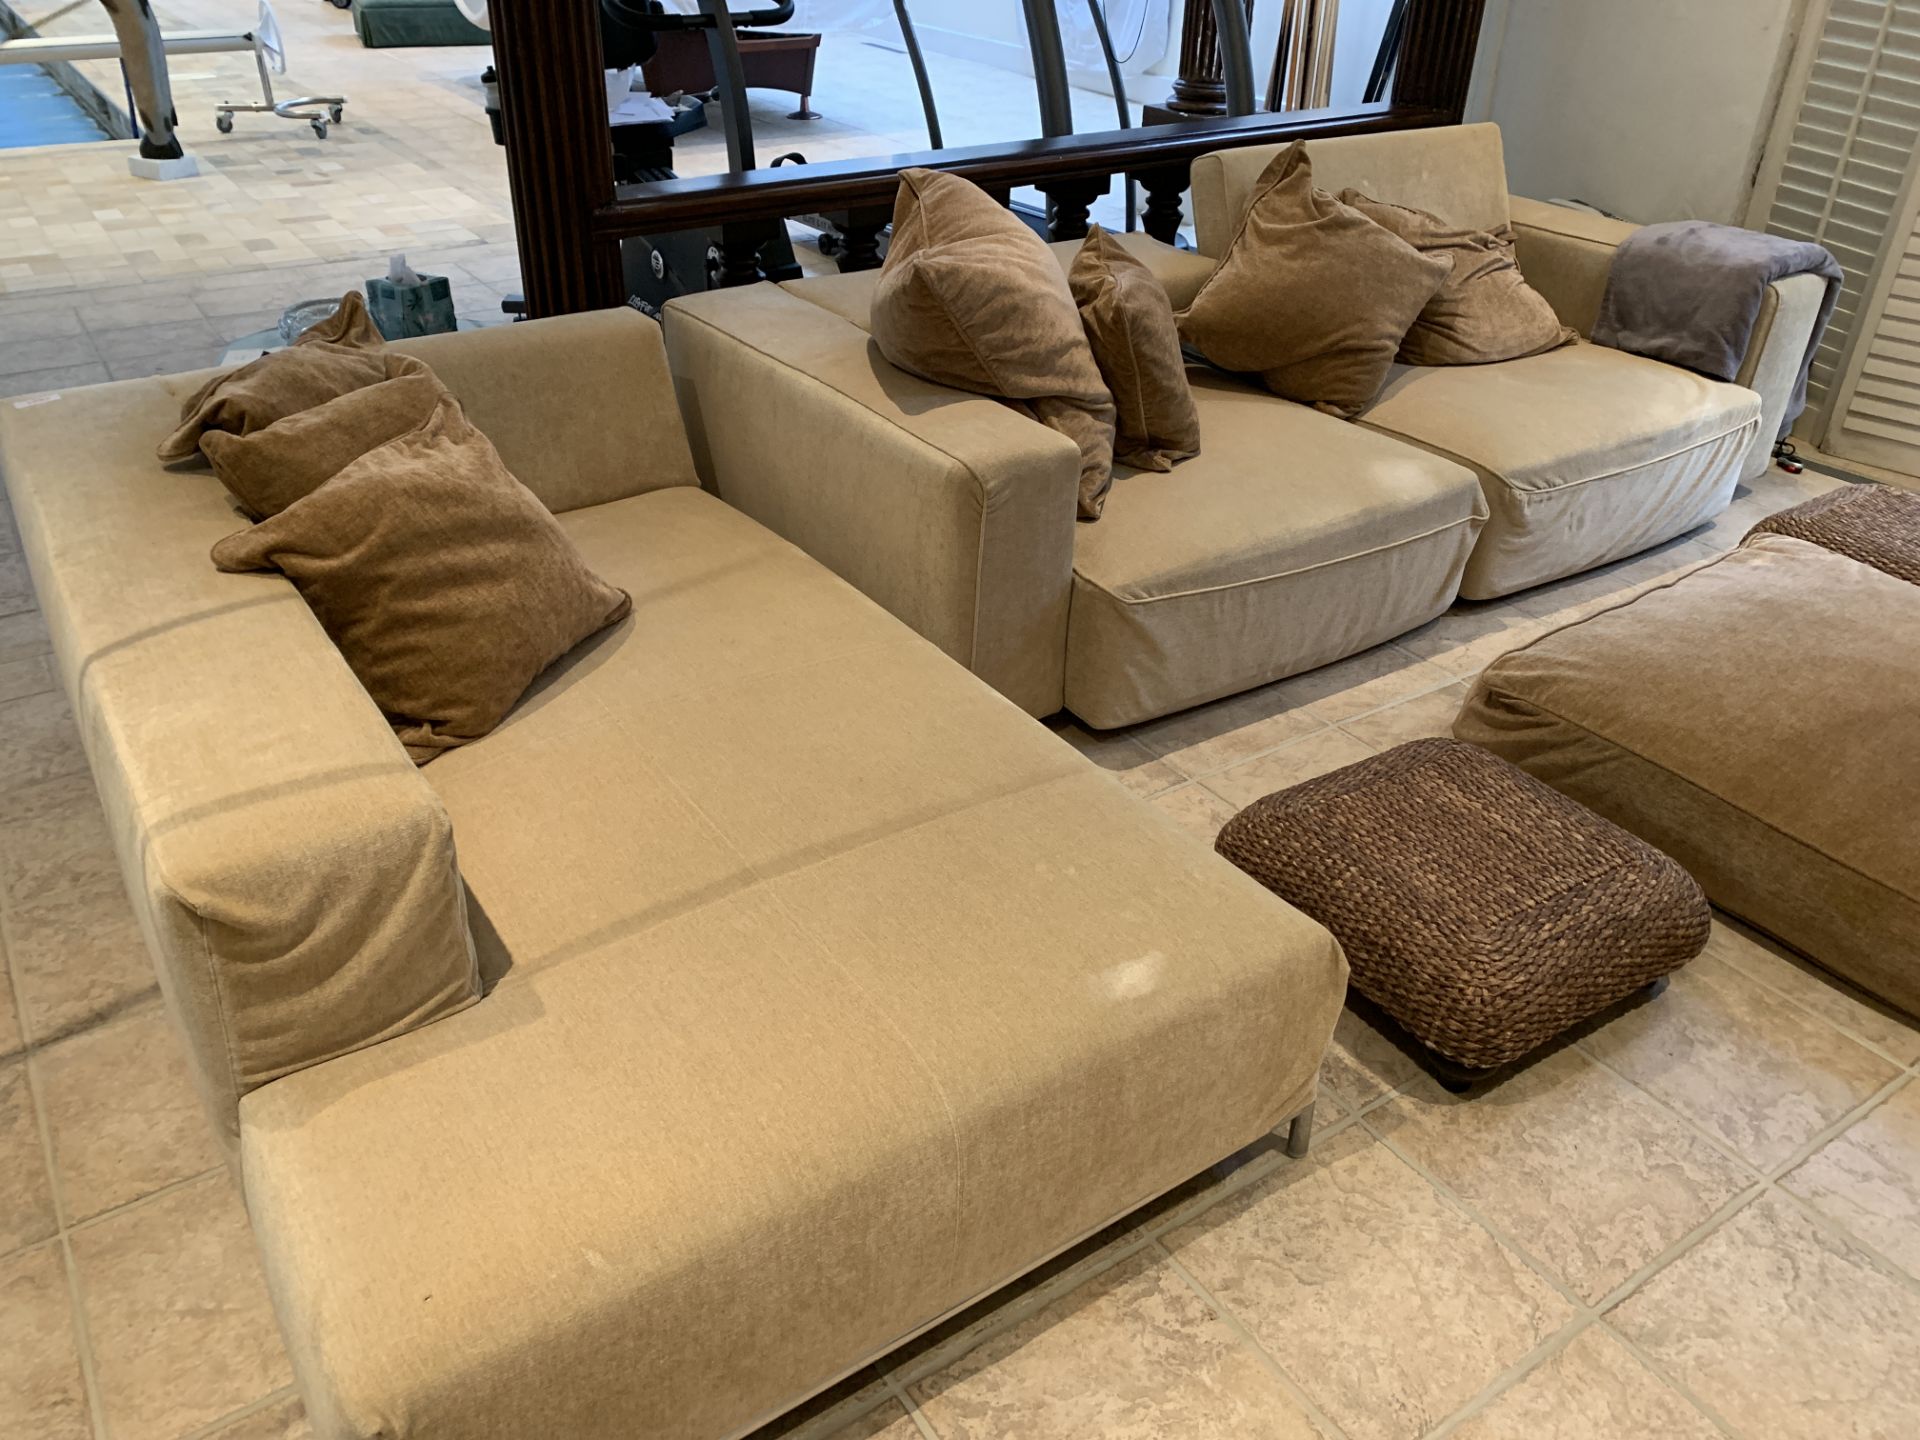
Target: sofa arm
(953,511)
(1566,255)
(1788,312)
(291,871)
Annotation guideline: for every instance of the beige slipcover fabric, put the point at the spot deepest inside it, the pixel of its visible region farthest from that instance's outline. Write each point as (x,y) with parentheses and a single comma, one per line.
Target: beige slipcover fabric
(446,584)
(773,824)
(1486,311)
(1291,540)
(1131,329)
(1457,172)
(1748,719)
(970,297)
(267,470)
(293,876)
(1586,454)
(1311,295)
(949,509)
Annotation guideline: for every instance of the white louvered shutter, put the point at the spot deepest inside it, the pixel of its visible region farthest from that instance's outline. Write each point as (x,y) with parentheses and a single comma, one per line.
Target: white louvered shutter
(1844,183)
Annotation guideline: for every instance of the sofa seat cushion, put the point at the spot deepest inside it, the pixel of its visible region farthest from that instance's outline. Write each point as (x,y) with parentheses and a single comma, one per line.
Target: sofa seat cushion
(1291,540)
(831,992)
(1753,719)
(1587,454)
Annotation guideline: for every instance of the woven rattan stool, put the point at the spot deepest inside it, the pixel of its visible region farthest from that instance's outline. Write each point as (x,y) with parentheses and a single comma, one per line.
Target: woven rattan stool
(1874,524)
(1481,911)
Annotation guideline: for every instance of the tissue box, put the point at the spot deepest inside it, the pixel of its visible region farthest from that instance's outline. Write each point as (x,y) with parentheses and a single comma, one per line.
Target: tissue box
(401,310)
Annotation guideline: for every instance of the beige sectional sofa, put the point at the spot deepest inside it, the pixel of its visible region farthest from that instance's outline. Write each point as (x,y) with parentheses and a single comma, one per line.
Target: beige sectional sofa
(1292,539)
(801,989)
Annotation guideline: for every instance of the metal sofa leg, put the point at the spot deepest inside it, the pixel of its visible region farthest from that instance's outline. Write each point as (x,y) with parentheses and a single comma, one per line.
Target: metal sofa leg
(1300,1132)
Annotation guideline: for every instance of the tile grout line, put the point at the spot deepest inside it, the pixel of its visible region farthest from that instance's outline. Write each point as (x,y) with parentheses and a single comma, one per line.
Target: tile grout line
(1586,1314)
(1826,1020)
(1718,1142)
(253,1407)
(1659,1372)
(83,1341)
(1470,1213)
(907,1403)
(1496,1389)
(1320,728)
(142,1201)
(76,1307)
(1328,1428)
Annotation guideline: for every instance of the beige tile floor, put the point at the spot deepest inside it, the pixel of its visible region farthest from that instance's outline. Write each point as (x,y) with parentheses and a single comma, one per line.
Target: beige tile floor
(1699,1220)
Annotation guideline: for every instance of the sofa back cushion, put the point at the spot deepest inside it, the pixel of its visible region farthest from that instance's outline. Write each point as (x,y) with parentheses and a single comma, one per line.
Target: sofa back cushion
(1457,172)
(580,407)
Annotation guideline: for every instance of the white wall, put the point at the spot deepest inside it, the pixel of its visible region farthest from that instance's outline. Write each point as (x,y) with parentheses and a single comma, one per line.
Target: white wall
(1650,109)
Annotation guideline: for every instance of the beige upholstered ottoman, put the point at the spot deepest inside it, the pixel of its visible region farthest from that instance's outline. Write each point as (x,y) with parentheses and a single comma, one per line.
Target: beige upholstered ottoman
(1481,911)
(1759,720)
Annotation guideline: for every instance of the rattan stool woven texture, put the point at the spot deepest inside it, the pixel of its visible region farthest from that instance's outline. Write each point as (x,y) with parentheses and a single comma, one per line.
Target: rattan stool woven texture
(1482,911)
(1874,524)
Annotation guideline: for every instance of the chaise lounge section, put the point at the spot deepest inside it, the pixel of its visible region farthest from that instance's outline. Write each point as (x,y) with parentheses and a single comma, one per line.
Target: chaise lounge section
(763,990)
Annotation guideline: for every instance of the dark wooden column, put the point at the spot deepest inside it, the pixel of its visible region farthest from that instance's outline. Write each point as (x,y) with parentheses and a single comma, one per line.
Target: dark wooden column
(1200,89)
(553,106)
(1436,57)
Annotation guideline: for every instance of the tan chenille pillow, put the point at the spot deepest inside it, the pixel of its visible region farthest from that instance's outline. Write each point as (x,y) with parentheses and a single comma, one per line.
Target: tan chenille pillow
(1312,295)
(443,580)
(970,297)
(1486,311)
(341,353)
(267,470)
(1130,325)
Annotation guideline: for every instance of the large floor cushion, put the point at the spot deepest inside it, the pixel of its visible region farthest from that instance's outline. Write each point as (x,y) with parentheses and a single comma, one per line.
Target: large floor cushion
(1587,454)
(1758,719)
(831,992)
(1482,910)
(1291,540)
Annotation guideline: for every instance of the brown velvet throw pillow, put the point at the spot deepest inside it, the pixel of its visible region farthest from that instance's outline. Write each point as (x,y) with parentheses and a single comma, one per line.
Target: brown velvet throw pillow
(1485,311)
(1311,295)
(341,353)
(267,470)
(1130,326)
(970,297)
(443,580)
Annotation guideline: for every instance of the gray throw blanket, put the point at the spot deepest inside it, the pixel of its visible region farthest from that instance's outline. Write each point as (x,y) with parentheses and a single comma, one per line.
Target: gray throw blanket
(1688,292)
